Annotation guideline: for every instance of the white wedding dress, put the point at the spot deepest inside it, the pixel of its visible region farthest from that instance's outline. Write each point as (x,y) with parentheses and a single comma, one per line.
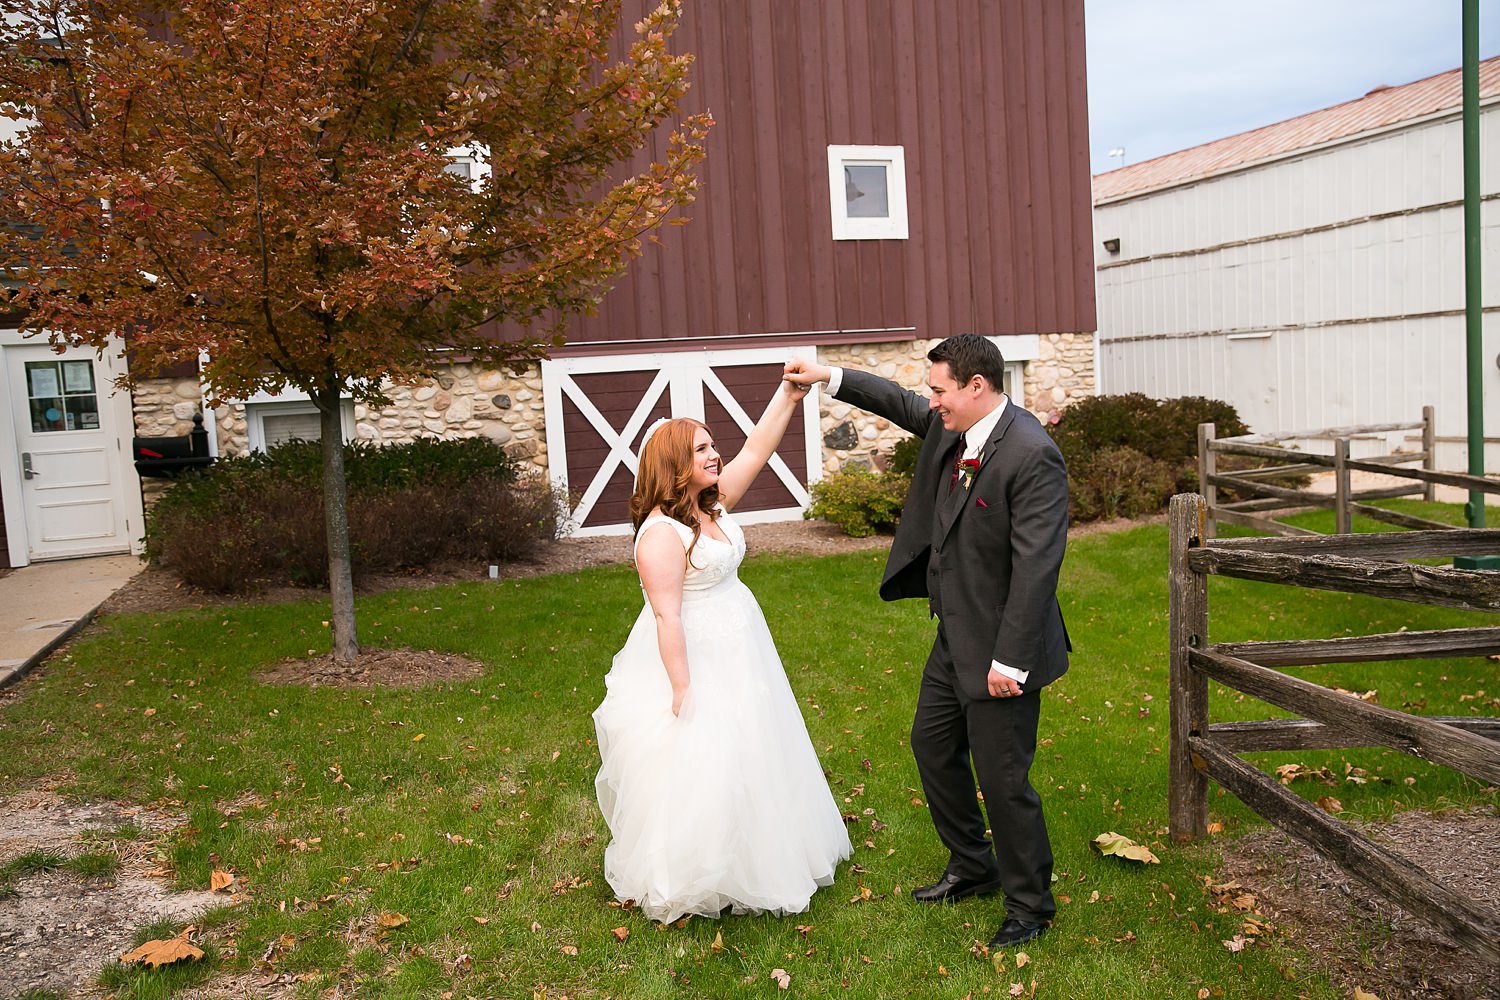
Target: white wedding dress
(724,805)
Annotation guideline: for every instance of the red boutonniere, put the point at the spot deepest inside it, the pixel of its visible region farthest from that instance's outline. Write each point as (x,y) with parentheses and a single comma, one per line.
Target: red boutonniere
(969,467)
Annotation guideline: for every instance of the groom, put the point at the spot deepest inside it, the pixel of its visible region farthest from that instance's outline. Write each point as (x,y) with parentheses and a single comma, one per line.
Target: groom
(981,537)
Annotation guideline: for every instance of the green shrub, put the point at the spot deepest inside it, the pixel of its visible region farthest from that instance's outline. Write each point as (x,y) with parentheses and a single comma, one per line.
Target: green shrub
(1166,430)
(257,520)
(903,457)
(1100,436)
(1119,482)
(859,501)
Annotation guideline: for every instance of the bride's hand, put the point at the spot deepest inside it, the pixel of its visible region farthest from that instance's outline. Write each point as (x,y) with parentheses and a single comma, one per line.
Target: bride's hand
(678,697)
(794,391)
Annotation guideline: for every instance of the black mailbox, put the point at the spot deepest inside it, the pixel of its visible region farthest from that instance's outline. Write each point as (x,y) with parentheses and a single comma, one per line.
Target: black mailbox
(165,457)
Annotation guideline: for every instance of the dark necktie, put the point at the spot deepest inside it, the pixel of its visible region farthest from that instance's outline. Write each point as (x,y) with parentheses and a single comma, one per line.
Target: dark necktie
(958,464)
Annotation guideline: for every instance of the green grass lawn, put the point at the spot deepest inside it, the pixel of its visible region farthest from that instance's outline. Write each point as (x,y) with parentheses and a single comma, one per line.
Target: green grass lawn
(455,804)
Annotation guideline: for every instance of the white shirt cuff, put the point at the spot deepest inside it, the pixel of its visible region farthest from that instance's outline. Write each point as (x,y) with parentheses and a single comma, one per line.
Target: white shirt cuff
(1019,676)
(835,379)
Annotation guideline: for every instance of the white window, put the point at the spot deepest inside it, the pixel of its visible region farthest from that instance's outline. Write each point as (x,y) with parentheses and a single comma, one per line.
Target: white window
(1017,349)
(867,192)
(469,162)
(269,423)
(1015,380)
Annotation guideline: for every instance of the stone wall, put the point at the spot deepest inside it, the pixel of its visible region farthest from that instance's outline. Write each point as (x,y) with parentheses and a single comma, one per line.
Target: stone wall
(460,401)
(464,400)
(1062,374)
(163,407)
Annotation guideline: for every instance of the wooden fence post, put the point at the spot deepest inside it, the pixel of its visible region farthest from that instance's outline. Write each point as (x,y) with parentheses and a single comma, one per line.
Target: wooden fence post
(1208,465)
(1342,517)
(1187,787)
(1429,446)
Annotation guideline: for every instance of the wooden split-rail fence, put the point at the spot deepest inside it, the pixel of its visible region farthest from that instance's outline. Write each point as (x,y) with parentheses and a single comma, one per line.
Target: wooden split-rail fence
(1375,564)
(1259,499)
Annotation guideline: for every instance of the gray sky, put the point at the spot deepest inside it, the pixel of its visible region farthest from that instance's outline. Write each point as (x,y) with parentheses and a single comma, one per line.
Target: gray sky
(1168,74)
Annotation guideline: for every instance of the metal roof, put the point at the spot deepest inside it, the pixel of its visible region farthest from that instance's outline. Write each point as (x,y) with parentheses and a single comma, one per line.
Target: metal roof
(1380,108)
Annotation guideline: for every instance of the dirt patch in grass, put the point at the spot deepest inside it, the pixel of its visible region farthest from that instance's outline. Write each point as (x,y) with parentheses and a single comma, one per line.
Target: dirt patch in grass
(1358,936)
(58,930)
(375,668)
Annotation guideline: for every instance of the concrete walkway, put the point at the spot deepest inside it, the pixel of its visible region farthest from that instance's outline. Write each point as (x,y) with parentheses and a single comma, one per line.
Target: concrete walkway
(43,604)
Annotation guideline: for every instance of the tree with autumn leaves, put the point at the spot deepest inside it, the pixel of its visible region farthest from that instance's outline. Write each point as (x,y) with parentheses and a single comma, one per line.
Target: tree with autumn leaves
(265,185)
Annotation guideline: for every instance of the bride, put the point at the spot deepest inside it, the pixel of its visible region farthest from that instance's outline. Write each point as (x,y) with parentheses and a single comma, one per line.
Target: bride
(709,783)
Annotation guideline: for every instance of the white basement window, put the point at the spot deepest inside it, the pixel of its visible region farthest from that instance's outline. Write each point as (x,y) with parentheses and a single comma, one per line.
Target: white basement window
(867,191)
(271,423)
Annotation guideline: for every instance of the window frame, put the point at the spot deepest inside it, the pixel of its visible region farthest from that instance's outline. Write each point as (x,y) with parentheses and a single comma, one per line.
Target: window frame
(894,226)
(256,410)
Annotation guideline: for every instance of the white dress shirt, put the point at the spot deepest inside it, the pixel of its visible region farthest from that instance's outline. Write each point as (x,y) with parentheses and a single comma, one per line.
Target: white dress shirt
(975,438)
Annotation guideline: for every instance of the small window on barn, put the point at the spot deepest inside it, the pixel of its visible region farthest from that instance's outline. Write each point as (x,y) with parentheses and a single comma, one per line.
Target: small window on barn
(469,162)
(867,190)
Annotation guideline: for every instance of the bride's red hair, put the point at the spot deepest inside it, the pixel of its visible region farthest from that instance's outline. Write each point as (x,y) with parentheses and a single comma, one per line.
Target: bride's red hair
(665,475)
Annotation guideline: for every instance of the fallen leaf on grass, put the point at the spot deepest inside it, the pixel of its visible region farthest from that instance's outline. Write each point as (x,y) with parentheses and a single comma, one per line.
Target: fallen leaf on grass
(392,919)
(1235,944)
(1123,847)
(1360,994)
(782,977)
(718,942)
(481,921)
(220,881)
(1329,804)
(163,952)
(1017,990)
(621,933)
(1022,958)
(568,949)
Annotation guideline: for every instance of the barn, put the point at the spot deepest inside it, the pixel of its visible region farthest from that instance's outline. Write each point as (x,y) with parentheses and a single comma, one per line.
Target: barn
(1309,272)
(883,174)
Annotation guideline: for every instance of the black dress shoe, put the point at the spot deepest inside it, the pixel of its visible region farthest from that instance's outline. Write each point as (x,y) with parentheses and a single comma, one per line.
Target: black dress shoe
(1014,932)
(953,887)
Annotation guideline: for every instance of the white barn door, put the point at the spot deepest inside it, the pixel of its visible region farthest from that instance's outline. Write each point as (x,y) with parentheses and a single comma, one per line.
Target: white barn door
(598,407)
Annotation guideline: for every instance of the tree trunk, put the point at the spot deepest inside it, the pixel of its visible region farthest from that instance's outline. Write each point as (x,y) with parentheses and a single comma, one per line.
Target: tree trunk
(336,521)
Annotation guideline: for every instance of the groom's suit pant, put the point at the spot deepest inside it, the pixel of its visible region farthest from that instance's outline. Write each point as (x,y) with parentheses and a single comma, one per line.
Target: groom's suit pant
(999,736)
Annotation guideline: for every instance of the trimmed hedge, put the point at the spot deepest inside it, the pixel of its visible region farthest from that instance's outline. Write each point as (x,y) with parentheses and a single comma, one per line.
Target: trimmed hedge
(257,520)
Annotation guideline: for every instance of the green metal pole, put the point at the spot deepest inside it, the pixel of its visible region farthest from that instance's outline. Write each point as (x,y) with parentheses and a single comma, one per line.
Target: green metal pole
(1473,313)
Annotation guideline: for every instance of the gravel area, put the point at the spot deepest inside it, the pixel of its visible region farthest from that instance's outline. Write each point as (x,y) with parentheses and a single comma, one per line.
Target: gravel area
(58,930)
(1357,936)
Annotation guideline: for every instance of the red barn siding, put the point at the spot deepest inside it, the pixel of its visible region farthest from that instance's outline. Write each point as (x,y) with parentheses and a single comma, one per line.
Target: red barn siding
(987,97)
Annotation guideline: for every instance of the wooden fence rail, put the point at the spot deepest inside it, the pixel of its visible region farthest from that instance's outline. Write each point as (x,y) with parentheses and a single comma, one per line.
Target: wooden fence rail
(1260,500)
(1368,564)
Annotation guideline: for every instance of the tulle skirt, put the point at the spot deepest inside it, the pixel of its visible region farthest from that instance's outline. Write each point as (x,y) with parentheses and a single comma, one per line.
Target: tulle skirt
(722,806)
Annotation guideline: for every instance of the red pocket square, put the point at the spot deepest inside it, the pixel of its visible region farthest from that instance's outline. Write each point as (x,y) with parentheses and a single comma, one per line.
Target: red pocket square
(980,502)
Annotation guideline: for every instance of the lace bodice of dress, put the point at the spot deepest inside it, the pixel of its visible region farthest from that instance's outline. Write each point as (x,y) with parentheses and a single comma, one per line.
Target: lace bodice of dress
(713,561)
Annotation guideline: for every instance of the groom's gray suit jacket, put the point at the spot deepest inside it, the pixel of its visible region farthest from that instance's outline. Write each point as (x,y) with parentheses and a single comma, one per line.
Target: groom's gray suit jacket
(986,557)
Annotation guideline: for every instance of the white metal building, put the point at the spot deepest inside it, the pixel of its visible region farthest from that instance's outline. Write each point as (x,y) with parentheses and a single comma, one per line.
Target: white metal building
(1309,272)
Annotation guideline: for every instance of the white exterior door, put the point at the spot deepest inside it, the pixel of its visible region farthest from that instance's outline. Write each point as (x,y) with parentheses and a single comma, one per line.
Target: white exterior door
(68,456)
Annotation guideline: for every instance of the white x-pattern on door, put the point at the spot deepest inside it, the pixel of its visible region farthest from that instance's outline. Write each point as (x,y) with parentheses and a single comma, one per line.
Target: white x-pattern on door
(639,388)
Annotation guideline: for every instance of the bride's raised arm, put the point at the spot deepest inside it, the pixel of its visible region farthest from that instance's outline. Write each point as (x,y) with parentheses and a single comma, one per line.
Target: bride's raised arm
(767,434)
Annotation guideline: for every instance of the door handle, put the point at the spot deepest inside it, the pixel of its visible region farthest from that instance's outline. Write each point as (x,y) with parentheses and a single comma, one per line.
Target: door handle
(27,472)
